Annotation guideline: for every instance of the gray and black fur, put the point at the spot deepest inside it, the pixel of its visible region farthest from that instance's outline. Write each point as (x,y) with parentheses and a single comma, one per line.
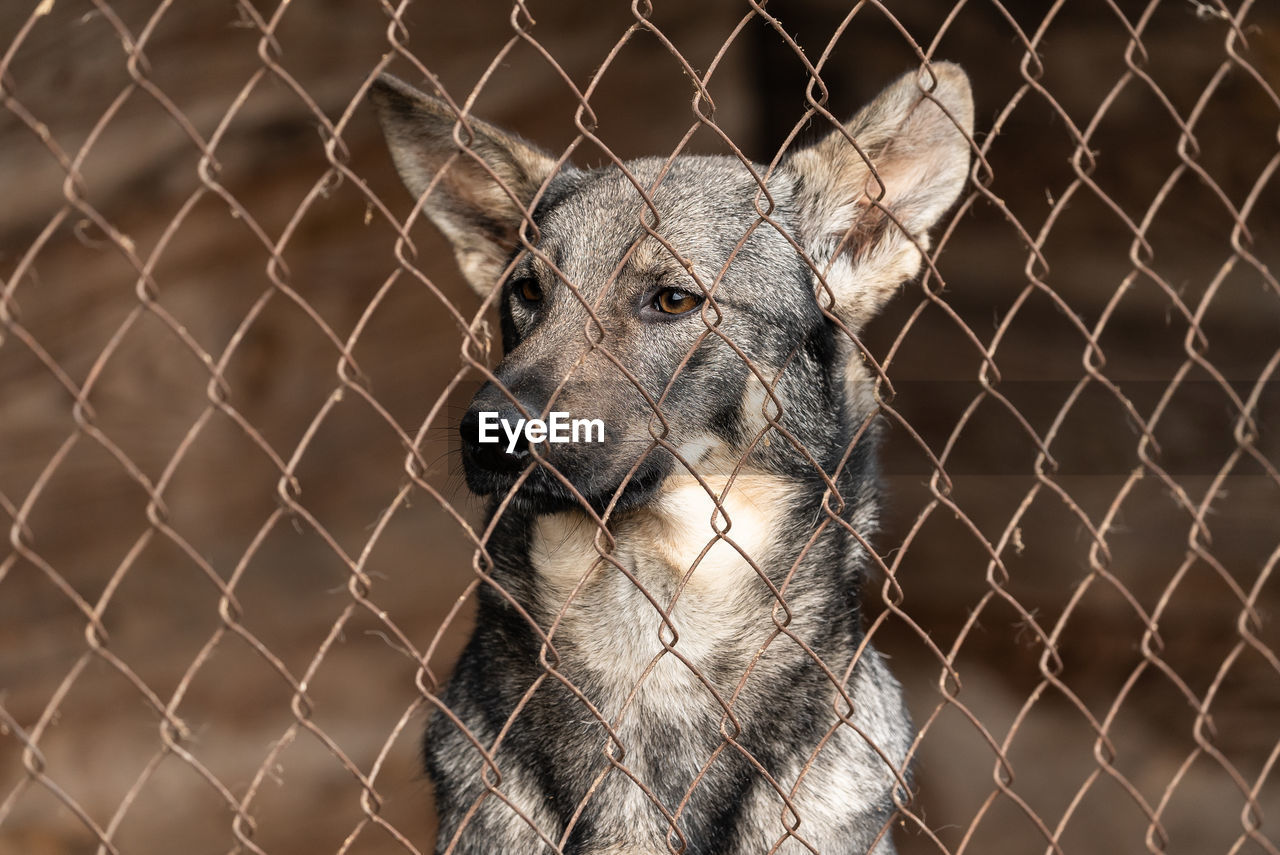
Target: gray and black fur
(725,330)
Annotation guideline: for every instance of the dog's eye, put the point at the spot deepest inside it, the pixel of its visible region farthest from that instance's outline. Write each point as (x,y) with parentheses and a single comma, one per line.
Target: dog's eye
(529,290)
(674,301)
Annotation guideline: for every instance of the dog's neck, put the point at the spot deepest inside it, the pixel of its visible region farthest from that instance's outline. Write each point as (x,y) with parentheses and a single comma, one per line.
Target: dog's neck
(706,533)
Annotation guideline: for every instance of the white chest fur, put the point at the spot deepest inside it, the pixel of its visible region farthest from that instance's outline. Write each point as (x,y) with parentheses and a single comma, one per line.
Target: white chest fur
(694,588)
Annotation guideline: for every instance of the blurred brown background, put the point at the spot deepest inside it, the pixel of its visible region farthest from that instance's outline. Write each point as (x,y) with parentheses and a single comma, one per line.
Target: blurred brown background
(1151,583)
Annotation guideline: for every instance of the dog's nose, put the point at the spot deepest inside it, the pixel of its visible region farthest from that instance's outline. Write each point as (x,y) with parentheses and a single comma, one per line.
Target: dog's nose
(495,451)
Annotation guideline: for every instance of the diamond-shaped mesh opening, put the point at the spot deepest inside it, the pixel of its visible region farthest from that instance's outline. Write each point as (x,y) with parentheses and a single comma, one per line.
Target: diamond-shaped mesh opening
(243,561)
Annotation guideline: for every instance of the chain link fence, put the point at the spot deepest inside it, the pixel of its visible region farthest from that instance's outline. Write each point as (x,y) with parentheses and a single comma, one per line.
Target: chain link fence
(241,560)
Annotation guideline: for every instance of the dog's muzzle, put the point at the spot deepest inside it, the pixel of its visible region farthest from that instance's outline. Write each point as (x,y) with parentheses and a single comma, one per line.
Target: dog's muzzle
(500,459)
(593,468)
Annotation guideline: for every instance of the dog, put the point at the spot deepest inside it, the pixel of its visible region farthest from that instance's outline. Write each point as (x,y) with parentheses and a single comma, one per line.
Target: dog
(668,653)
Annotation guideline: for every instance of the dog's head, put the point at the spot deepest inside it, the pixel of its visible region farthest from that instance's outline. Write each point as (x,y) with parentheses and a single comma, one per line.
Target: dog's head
(702,320)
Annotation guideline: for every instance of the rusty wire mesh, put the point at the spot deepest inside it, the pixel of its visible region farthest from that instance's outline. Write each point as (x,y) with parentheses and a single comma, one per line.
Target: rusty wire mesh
(240,560)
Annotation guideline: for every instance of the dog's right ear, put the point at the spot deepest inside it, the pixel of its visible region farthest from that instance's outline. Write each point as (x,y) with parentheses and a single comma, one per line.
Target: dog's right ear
(481,192)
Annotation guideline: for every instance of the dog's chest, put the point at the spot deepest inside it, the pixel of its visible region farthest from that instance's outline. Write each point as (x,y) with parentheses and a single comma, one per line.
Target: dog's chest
(676,603)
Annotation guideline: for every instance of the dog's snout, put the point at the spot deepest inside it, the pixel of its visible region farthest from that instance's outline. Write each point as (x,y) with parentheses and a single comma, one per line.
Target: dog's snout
(486,444)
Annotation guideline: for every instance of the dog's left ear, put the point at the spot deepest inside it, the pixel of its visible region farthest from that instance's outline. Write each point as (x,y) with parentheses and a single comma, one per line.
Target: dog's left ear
(479,194)
(918,142)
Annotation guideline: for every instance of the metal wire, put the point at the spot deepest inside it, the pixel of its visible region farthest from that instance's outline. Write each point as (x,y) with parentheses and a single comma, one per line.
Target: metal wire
(166,648)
